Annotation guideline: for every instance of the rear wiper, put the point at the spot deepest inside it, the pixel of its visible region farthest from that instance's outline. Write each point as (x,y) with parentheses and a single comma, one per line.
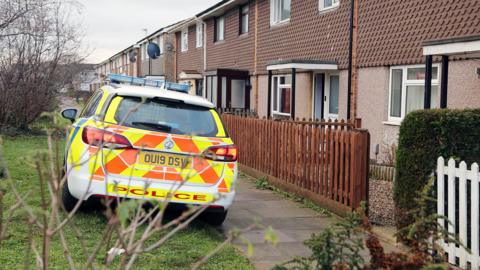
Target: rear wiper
(156,126)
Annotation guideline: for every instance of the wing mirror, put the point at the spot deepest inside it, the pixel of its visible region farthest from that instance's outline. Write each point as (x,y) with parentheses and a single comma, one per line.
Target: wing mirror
(70,114)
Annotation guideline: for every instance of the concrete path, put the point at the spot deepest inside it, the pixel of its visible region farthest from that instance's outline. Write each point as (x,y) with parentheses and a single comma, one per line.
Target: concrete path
(66,102)
(292,222)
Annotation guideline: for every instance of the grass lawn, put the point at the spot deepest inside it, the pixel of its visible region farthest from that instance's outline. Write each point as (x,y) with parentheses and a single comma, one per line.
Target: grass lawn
(179,253)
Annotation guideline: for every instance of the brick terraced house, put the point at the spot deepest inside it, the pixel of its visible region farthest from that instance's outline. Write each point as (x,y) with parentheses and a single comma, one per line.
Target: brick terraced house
(120,63)
(163,66)
(134,60)
(335,59)
(189,57)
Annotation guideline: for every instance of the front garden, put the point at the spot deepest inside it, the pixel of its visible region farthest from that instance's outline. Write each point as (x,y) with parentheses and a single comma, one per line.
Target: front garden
(180,252)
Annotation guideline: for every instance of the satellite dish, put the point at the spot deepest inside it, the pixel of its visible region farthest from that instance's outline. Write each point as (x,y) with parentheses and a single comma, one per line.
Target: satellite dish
(133,56)
(153,50)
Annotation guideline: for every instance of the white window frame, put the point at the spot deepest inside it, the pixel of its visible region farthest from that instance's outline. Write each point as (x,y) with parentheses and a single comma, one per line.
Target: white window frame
(247,15)
(275,12)
(199,34)
(218,29)
(327,94)
(322,7)
(405,84)
(276,111)
(160,44)
(145,46)
(184,39)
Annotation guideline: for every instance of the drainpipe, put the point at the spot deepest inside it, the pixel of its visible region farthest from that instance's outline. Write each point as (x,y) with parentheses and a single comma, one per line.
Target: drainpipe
(149,61)
(444,82)
(269,103)
(350,60)
(428,82)
(174,51)
(204,94)
(293,99)
(255,55)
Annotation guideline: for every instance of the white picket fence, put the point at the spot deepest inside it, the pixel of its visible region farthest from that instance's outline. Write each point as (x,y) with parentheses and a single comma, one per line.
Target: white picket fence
(467,181)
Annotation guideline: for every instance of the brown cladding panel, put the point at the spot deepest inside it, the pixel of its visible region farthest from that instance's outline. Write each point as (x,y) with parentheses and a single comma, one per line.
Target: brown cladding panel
(309,35)
(236,51)
(391,32)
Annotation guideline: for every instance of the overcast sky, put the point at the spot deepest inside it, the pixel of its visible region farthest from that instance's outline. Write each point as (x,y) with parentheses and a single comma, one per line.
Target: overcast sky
(112,25)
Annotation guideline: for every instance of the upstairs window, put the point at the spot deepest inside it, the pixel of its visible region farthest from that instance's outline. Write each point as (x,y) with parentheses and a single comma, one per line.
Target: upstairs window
(219,28)
(244,19)
(184,40)
(328,4)
(279,11)
(407,90)
(146,50)
(199,34)
(160,43)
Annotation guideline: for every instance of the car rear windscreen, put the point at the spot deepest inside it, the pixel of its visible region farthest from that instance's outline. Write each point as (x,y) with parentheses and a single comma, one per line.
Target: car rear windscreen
(166,116)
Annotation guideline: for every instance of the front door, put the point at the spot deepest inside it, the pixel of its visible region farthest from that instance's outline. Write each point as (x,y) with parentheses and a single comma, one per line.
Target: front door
(319,96)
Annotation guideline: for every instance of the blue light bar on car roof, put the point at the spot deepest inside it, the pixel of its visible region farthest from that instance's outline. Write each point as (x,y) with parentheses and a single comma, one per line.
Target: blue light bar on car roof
(179,87)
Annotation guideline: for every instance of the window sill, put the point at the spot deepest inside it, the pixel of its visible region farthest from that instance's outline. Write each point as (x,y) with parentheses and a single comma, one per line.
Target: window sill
(219,42)
(281,114)
(392,123)
(244,35)
(279,24)
(326,10)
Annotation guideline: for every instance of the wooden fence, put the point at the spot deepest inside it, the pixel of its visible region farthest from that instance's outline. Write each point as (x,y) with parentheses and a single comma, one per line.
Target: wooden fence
(382,172)
(324,161)
(458,194)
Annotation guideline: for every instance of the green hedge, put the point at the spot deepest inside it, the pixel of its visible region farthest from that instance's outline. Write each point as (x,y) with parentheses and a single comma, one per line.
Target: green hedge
(424,136)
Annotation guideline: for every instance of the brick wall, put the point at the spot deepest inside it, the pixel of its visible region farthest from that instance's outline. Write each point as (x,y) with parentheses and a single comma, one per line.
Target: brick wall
(310,34)
(235,52)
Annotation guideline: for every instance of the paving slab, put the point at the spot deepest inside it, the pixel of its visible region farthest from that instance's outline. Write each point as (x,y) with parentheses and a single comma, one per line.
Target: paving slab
(293,224)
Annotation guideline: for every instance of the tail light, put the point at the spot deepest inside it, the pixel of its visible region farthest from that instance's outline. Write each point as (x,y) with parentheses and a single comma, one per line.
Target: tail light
(103,138)
(222,153)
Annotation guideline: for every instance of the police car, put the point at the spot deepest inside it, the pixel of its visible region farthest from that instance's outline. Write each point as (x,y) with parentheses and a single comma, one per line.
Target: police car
(147,142)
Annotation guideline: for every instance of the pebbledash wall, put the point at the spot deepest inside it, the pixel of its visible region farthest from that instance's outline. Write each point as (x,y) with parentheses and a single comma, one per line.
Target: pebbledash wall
(373,99)
(391,34)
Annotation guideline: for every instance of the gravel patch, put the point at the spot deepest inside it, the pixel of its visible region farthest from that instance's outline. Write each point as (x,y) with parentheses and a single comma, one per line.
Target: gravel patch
(381,206)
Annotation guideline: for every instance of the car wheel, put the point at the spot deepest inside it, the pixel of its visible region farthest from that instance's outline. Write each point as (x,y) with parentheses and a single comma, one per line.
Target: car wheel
(215,218)
(68,200)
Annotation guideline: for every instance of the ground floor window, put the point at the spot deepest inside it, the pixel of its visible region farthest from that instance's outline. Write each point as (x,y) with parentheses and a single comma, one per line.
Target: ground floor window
(281,94)
(211,93)
(199,87)
(407,90)
(334,93)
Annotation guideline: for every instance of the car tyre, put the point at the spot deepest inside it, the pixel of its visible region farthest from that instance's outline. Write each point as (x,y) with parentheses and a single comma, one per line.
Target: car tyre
(69,202)
(215,218)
